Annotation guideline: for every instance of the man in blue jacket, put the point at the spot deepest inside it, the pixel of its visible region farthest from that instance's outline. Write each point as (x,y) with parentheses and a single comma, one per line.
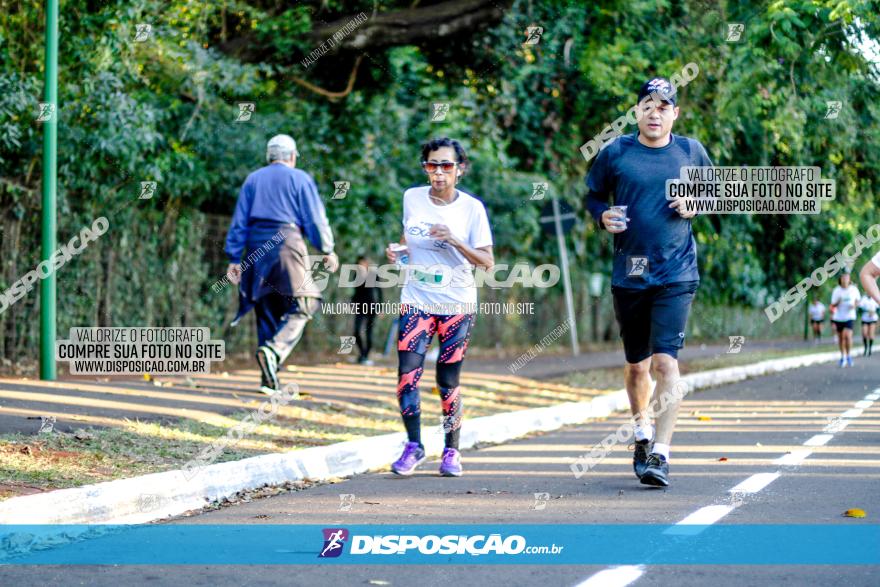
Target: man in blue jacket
(278,209)
(655,264)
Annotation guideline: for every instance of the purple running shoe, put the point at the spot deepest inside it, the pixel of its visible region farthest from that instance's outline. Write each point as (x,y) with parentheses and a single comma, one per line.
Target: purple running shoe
(413,456)
(450,465)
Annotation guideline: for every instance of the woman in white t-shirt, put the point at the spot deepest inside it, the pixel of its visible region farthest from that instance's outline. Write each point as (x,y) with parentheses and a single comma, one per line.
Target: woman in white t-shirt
(817,316)
(844,300)
(446,233)
(868,308)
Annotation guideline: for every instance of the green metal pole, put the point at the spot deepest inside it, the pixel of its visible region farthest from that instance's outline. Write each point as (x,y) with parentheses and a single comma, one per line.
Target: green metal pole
(50,182)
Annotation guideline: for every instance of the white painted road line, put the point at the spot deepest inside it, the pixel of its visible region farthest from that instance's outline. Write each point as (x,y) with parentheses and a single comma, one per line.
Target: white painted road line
(702,517)
(873,396)
(795,457)
(836,426)
(853,413)
(864,404)
(819,440)
(755,483)
(614,577)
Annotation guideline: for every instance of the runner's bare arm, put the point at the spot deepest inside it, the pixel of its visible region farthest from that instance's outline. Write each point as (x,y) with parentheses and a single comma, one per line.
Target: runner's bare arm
(868,276)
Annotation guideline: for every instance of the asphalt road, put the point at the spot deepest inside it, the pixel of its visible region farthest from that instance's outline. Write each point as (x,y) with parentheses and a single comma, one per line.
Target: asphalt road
(750,424)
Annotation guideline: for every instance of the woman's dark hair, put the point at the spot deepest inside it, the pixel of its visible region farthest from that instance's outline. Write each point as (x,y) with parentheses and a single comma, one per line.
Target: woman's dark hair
(840,279)
(460,155)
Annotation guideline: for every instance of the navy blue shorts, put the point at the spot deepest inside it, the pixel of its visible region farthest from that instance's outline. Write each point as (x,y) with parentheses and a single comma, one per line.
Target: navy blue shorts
(843,324)
(653,320)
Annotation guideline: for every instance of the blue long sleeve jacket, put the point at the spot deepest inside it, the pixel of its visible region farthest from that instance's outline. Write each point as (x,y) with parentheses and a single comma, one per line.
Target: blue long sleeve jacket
(276,193)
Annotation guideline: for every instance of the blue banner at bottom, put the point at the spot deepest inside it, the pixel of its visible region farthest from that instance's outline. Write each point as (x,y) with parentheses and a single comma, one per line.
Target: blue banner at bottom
(483,544)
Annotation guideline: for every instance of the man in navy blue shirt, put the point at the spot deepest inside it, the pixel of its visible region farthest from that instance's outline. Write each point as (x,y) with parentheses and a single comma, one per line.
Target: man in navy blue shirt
(655,274)
(277,210)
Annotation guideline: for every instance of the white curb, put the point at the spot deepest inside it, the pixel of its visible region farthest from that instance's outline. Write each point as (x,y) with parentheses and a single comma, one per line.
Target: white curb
(160,495)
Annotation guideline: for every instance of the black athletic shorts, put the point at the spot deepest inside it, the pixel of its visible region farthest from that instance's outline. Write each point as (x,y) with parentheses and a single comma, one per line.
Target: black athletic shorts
(653,320)
(816,321)
(841,324)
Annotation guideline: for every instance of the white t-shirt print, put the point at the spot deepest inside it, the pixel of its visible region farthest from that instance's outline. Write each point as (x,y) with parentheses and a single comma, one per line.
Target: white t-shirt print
(846,301)
(426,287)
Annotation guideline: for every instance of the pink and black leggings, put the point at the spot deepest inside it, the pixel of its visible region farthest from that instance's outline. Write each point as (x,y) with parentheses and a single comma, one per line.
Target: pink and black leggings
(416,331)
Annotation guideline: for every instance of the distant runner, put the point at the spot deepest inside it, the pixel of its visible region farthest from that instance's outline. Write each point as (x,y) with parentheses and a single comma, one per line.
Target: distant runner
(868,308)
(655,263)
(844,300)
(817,317)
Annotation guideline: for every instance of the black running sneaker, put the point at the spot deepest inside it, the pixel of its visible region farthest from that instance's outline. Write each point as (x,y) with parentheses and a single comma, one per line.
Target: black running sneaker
(268,362)
(656,471)
(640,456)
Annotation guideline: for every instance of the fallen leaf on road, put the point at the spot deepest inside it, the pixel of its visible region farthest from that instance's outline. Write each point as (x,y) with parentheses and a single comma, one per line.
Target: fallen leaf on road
(372,502)
(854,513)
(723,459)
(147,377)
(704,418)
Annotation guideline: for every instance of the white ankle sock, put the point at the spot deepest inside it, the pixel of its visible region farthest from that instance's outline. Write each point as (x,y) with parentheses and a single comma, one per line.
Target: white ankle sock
(661,449)
(643,431)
